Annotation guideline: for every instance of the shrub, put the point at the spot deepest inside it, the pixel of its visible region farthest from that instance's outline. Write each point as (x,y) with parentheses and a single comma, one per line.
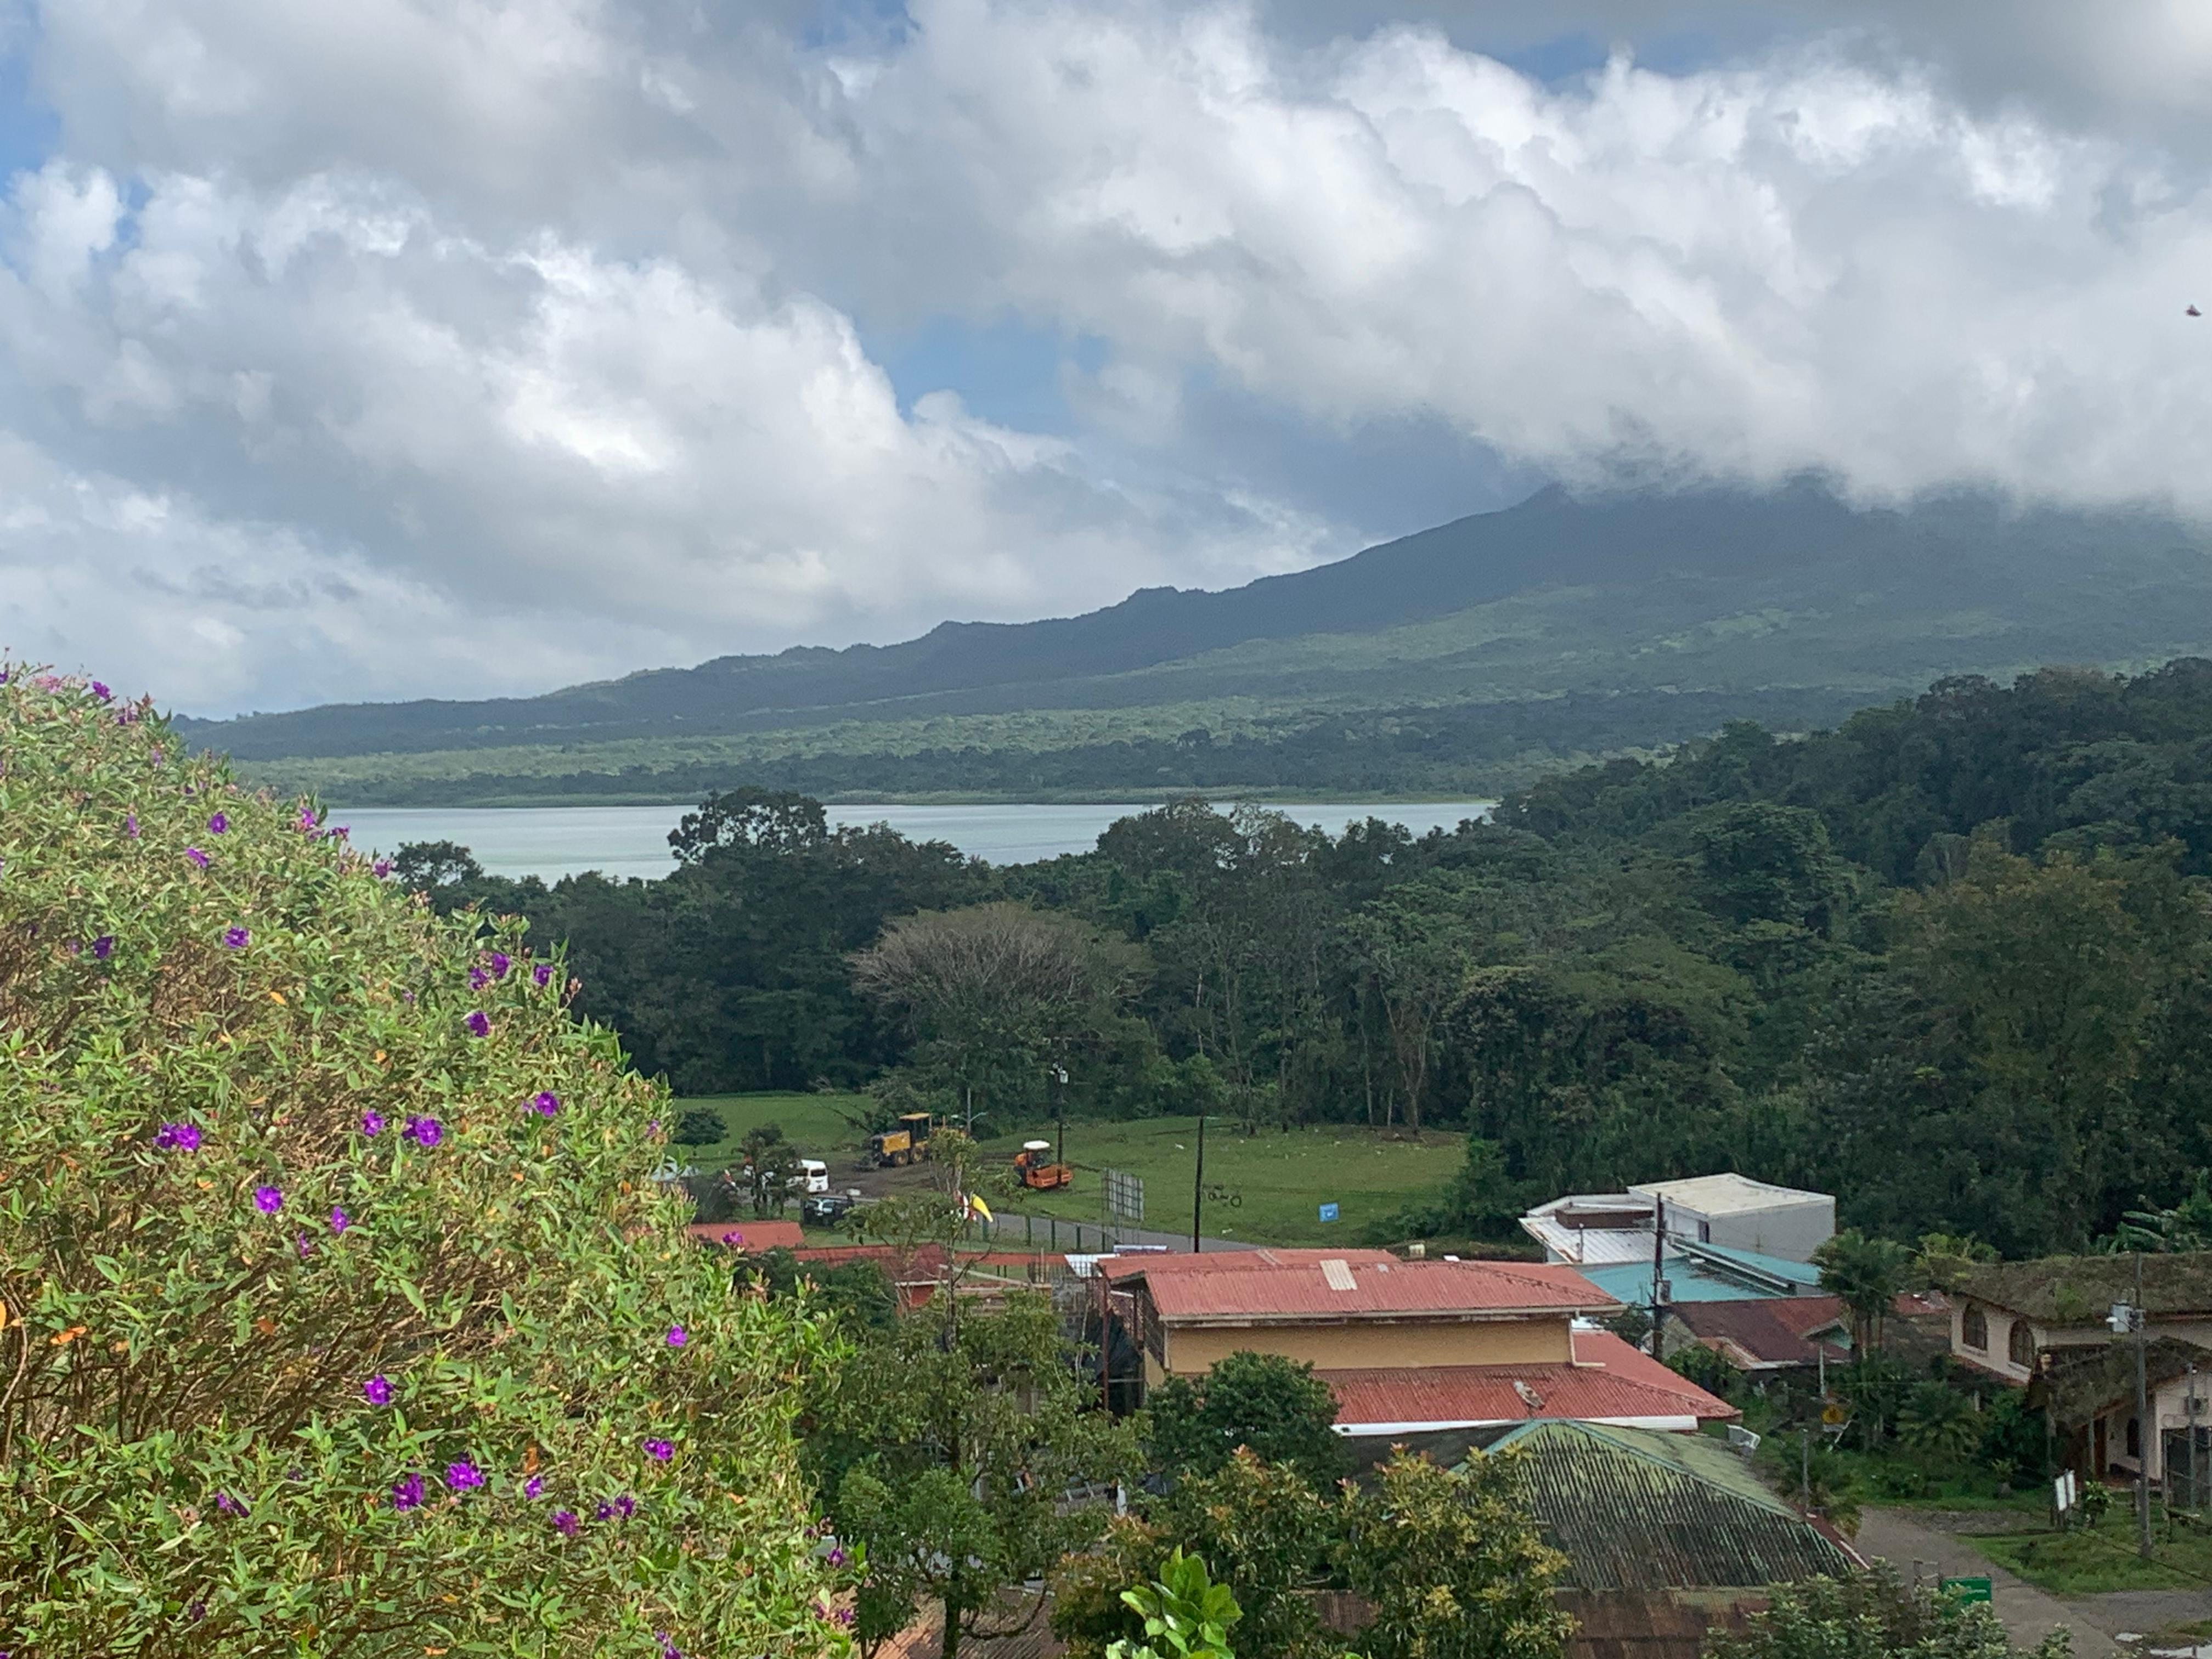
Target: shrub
(699,1125)
(337,1311)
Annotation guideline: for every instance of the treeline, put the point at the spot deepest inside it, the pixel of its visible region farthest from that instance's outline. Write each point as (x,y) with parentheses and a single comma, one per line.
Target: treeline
(1949,960)
(1472,748)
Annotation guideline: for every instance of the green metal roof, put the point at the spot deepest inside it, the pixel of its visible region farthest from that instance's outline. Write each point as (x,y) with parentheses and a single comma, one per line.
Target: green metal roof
(1640,1509)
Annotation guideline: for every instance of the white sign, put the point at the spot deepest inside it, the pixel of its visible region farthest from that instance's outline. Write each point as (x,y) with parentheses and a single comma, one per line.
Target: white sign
(2064,1491)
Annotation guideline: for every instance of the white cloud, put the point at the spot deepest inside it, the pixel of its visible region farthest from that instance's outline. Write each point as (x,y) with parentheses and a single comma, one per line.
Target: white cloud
(477,346)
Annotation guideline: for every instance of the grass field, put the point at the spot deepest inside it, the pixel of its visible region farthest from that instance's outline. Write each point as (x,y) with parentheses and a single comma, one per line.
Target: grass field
(1270,1186)
(2088,1559)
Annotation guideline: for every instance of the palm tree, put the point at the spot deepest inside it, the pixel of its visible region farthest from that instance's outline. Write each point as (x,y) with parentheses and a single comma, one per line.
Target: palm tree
(1867,1275)
(1937,1420)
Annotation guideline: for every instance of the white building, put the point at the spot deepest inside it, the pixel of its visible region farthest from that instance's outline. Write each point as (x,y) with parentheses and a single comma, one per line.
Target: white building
(1739,1213)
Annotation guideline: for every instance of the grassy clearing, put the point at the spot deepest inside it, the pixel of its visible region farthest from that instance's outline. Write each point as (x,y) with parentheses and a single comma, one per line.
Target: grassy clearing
(1277,1181)
(1273,1183)
(2086,1561)
(810,1121)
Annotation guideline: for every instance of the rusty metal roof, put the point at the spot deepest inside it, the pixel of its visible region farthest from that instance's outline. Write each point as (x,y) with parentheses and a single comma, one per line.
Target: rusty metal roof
(748,1235)
(1129,1266)
(1633,1509)
(1609,1382)
(1338,1286)
(1775,1331)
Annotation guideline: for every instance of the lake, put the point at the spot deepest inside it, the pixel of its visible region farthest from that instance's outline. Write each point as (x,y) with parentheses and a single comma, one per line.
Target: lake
(552,841)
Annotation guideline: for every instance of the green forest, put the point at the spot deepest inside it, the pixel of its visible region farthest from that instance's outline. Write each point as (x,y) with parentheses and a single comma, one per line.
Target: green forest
(1948,960)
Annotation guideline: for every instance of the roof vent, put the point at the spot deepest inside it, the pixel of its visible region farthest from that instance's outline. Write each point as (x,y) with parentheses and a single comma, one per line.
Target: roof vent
(1337,1272)
(1529,1397)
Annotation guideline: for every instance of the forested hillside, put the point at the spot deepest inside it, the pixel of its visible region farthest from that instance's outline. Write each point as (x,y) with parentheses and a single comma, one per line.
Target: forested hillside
(1952,961)
(1465,660)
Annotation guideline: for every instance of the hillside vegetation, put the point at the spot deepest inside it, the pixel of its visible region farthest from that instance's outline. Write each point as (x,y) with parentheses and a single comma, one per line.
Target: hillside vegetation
(1951,960)
(339,1312)
(1470,657)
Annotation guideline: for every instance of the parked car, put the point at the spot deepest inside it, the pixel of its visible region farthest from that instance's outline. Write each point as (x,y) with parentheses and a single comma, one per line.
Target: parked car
(824,1209)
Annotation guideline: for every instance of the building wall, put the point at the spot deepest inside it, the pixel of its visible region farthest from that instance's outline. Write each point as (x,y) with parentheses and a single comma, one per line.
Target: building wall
(1792,1229)
(1997,1356)
(1192,1350)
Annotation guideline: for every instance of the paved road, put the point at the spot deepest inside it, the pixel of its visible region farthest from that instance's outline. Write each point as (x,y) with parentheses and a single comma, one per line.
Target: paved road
(2029,1615)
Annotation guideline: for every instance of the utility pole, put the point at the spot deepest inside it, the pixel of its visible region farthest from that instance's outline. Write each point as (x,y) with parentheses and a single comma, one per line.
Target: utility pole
(1197,1186)
(2145,1428)
(1059,1116)
(1658,1266)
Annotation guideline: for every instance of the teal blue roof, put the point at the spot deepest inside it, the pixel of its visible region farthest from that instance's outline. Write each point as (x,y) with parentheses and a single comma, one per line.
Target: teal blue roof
(1707,1273)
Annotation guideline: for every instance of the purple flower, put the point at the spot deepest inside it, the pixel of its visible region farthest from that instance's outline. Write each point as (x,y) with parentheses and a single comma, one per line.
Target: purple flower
(372,1123)
(227,1504)
(377,1391)
(197,857)
(478,978)
(836,1556)
(126,717)
(196,1611)
(501,961)
(339,1220)
(479,1024)
(461,1476)
(424,1132)
(565,1523)
(103,947)
(217,825)
(626,1506)
(268,1200)
(407,1494)
(843,1615)
(338,832)
(668,1648)
(605,1512)
(545,1103)
(307,820)
(154,756)
(542,974)
(534,1487)
(380,869)
(733,1238)
(677,1336)
(659,1450)
(306,1246)
(102,692)
(178,1138)
(130,825)
(236,939)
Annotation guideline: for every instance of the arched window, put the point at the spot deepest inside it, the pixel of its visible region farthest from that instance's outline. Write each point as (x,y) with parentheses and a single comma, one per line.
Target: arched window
(2020,1345)
(1974,1328)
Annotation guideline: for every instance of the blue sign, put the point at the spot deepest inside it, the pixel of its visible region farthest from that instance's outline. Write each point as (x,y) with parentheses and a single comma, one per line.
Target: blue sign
(1328,1212)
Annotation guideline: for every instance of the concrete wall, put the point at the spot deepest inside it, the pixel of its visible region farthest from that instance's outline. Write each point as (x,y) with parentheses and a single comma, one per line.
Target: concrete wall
(1377,1345)
(1791,1228)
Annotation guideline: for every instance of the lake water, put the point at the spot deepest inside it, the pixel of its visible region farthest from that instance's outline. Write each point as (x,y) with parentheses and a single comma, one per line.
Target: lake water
(552,841)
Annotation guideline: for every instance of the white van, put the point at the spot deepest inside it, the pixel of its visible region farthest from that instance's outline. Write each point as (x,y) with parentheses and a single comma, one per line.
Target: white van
(813,1176)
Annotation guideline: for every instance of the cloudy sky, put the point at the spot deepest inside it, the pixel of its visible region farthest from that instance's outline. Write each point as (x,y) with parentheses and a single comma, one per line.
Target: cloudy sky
(462,347)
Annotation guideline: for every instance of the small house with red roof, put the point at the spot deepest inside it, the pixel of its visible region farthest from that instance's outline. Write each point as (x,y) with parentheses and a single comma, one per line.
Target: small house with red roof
(1410,1349)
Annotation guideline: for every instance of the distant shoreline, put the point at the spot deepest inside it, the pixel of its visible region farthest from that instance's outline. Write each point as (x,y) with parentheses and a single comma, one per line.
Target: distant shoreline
(1224,796)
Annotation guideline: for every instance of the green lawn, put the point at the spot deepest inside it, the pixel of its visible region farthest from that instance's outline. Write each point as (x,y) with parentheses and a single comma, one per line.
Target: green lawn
(1271,1184)
(2086,1560)
(810,1121)
(1279,1181)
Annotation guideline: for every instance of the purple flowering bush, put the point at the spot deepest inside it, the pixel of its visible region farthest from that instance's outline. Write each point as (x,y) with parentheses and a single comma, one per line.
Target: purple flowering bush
(301,1385)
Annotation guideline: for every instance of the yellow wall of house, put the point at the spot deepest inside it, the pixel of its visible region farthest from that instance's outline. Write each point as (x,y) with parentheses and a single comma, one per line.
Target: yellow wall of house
(1192,1350)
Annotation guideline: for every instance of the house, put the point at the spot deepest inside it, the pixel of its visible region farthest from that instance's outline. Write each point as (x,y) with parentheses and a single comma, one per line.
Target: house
(2005,1313)
(1633,1509)
(1763,1337)
(1743,1214)
(1731,1211)
(1448,1351)
(2042,1324)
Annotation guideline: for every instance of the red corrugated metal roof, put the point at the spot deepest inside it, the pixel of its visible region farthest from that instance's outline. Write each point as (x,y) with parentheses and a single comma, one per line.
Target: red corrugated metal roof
(1183,1261)
(1302,1289)
(1769,1331)
(748,1235)
(1609,1382)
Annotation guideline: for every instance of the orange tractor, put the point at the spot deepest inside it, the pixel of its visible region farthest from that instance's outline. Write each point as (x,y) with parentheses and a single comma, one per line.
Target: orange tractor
(1034,1165)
